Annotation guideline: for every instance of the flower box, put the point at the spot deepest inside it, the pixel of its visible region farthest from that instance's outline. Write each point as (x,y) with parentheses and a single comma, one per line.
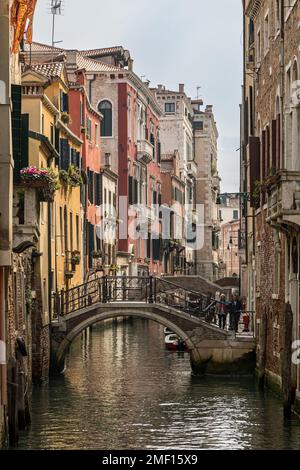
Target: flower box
(46,194)
(43,179)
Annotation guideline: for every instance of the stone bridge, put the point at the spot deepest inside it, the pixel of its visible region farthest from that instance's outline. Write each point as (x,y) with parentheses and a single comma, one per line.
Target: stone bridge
(212,350)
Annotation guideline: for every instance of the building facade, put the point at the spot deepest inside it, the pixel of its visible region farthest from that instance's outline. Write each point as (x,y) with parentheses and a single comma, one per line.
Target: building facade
(173,208)
(176,134)
(270,162)
(207,188)
(230,236)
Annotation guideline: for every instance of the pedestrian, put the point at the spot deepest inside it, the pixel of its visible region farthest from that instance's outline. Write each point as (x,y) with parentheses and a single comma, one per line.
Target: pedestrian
(222,311)
(235,312)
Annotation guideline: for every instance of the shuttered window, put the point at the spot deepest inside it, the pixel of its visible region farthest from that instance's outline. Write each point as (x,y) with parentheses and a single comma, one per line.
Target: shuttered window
(130,190)
(64,102)
(254,146)
(19,133)
(64,154)
(278,142)
(156,249)
(135,191)
(91,186)
(98,189)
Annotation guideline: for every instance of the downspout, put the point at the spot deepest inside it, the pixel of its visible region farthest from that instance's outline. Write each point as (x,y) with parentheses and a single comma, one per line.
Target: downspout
(50,280)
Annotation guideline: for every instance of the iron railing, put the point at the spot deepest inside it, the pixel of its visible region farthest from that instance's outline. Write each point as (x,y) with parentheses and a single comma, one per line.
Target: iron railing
(148,290)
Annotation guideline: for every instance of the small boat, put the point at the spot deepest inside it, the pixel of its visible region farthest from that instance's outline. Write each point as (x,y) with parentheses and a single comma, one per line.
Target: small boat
(167,331)
(174,343)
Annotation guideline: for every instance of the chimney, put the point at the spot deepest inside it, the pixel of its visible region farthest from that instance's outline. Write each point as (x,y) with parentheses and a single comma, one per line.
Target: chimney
(130,65)
(209,108)
(160,87)
(181,87)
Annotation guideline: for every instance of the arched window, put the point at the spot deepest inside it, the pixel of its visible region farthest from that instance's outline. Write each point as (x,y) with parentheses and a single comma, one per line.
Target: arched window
(105,108)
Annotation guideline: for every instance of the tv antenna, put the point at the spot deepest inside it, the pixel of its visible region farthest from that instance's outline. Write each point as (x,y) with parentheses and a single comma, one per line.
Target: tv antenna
(56,8)
(198,88)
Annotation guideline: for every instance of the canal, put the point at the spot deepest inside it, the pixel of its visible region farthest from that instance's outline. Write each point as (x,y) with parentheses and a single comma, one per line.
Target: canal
(123,390)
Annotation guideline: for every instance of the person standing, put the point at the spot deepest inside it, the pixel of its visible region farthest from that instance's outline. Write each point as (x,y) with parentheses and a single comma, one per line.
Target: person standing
(235,312)
(222,311)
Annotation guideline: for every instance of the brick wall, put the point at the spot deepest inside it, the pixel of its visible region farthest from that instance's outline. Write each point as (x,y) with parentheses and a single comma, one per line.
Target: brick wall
(265,292)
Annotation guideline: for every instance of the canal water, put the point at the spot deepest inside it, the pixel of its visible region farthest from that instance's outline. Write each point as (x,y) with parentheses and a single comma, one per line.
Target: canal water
(123,390)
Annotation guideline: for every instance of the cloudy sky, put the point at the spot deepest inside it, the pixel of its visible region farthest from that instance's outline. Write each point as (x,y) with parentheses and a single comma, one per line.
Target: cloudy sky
(196,42)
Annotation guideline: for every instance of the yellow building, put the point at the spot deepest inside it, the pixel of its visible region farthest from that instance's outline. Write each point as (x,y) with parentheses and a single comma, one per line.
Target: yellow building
(53,146)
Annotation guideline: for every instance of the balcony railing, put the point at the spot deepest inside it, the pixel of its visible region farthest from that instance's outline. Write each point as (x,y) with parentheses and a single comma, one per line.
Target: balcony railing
(284,199)
(192,169)
(145,151)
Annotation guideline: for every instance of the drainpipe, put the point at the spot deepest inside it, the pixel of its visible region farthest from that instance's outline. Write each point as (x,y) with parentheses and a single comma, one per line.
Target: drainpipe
(6,179)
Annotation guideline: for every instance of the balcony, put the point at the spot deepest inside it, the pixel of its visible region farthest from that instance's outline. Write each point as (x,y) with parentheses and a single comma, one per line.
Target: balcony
(284,199)
(192,169)
(145,151)
(216,182)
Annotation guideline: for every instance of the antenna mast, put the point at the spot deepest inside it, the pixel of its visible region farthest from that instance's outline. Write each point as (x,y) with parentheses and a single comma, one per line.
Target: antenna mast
(55,9)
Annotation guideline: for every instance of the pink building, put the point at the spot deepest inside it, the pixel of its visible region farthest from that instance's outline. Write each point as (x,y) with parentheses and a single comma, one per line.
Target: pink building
(85,123)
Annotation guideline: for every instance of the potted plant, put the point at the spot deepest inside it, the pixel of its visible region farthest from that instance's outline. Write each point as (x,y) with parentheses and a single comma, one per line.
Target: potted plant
(114,268)
(75,178)
(97,254)
(47,193)
(75,258)
(64,177)
(65,117)
(44,179)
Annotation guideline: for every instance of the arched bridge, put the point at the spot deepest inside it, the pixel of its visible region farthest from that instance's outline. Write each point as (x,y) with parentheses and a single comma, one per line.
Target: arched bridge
(212,350)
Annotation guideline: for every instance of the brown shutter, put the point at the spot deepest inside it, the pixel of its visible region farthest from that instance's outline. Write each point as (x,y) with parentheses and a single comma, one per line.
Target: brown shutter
(274,144)
(267,162)
(278,142)
(263,155)
(254,146)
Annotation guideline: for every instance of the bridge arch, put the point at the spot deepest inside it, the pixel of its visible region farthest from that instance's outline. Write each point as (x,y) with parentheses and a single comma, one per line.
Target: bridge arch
(63,346)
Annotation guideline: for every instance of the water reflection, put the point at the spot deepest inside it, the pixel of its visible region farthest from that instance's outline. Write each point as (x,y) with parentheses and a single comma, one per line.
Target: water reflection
(122,390)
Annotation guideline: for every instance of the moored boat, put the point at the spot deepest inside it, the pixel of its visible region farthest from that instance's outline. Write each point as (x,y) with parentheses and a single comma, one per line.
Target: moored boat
(174,343)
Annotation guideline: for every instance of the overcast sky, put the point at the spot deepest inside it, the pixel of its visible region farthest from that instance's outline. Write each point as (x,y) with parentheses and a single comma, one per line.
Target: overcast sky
(196,42)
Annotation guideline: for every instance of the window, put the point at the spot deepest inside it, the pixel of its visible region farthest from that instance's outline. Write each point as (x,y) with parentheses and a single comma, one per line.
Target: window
(105,108)
(62,248)
(266,34)
(71,231)
(96,134)
(198,125)
(258,47)
(235,215)
(170,107)
(77,232)
(81,114)
(89,129)
(52,134)
(129,117)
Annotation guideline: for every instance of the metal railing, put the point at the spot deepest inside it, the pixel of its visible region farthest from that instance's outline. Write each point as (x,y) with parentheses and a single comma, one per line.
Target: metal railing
(148,290)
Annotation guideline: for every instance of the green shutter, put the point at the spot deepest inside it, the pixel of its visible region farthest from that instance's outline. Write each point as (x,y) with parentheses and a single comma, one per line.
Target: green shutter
(135,189)
(130,198)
